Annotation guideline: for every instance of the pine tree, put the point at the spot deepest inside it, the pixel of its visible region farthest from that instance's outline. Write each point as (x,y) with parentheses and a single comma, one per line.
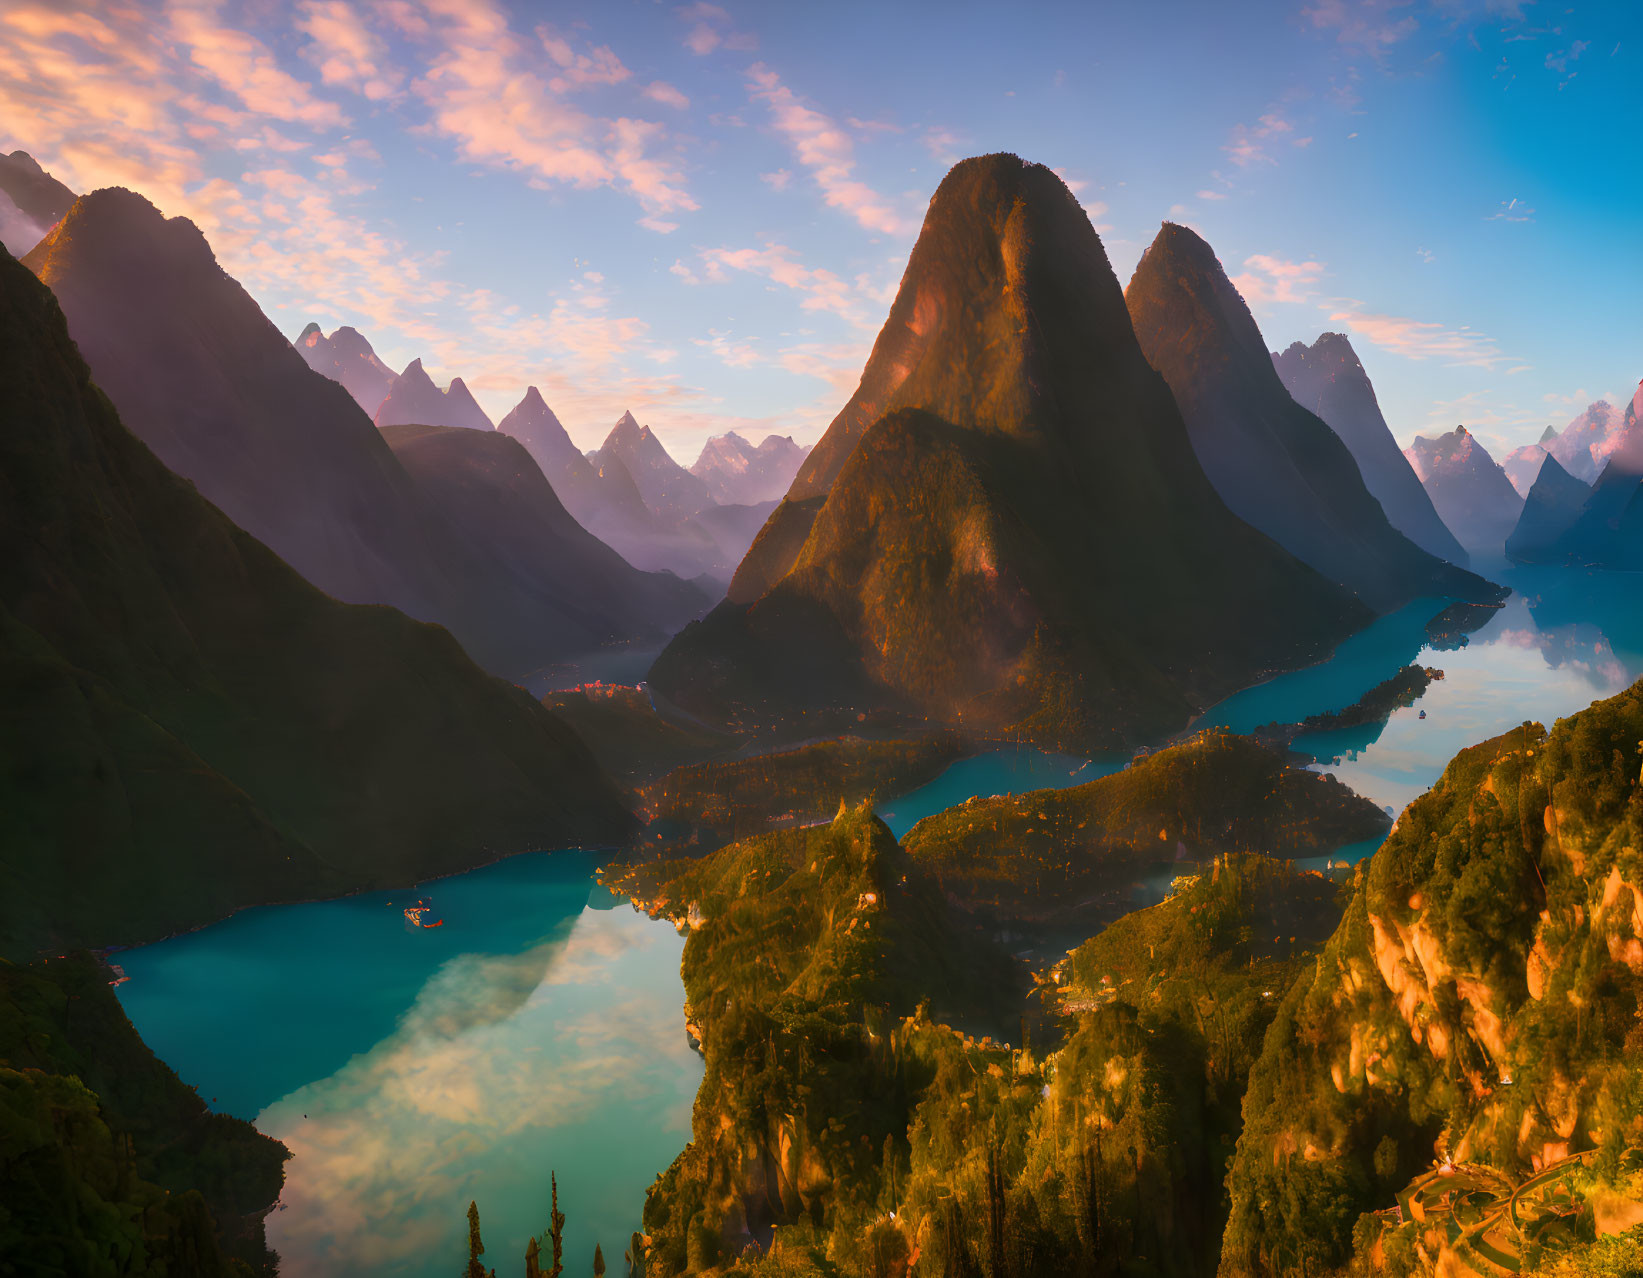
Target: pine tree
(476,1248)
(556,1230)
(598,1262)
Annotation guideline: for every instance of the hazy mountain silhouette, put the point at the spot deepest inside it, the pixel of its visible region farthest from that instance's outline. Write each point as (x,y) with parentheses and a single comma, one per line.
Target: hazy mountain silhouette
(414,400)
(198,372)
(668,489)
(1274,463)
(1328,379)
(191,726)
(1006,528)
(31,202)
(1551,508)
(493,493)
(737,473)
(1608,530)
(346,357)
(1469,489)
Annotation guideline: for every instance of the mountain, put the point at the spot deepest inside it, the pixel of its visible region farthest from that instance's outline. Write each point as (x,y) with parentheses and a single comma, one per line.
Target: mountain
(738,474)
(345,356)
(1584,445)
(1275,464)
(197,371)
(668,488)
(1551,508)
(414,400)
(492,492)
(1327,378)
(1522,465)
(1021,540)
(1608,530)
(1476,1006)
(31,202)
(192,727)
(1469,489)
(535,426)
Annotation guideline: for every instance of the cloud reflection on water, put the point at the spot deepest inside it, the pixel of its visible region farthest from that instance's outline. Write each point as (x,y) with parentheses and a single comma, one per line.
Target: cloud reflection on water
(505,1066)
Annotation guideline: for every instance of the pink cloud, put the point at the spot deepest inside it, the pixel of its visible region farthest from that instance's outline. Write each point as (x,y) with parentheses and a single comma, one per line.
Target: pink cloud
(1266,280)
(1419,339)
(663,92)
(243,66)
(828,152)
(345,50)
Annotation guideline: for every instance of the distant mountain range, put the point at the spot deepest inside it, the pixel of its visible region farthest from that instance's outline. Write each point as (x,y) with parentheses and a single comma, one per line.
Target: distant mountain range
(1328,379)
(1006,527)
(737,473)
(1275,464)
(31,202)
(1582,447)
(199,373)
(191,726)
(1469,489)
(668,489)
(345,356)
(414,400)
(1601,525)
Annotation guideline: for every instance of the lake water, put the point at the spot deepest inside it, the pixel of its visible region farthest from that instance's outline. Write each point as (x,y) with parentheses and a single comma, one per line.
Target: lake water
(413,1070)
(540,1028)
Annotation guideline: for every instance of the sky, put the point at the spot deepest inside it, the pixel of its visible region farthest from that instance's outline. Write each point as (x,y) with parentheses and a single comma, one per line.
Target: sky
(700,212)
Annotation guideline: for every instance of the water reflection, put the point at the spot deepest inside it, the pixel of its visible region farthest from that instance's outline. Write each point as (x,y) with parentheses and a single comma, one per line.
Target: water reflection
(411,1070)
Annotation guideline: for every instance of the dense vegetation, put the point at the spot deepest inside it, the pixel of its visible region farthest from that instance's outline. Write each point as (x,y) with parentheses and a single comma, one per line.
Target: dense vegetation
(710,804)
(841,1127)
(629,739)
(1480,999)
(109,1164)
(1451,626)
(1071,855)
(1375,706)
(191,726)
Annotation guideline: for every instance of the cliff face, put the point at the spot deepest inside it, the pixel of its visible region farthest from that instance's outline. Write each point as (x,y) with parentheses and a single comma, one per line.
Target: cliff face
(193,727)
(1327,378)
(1468,488)
(1026,541)
(1275,464)
(1479,1001)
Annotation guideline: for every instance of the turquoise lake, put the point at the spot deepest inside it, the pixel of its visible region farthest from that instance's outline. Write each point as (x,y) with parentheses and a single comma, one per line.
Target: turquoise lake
(540,1029)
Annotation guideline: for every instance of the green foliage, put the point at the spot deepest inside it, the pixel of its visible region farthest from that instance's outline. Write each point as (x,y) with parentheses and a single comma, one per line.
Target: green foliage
(1614,1256)
(710,804)
(1480,998)
(75,1054)
(1036,855)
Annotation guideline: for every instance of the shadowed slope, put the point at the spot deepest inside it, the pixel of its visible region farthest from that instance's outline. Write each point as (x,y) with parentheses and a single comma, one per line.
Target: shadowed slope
(199,373)
(488,487)
(1274,463)
(1026,542)
(1326,378)
(1552,506)
(191,727)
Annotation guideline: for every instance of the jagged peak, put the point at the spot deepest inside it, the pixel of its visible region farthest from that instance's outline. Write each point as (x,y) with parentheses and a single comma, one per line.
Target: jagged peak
(312,335)
(532,399)
(24,158)
(1547,436)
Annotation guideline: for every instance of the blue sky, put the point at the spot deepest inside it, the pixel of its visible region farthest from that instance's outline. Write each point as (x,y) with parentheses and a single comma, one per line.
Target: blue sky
(700,211)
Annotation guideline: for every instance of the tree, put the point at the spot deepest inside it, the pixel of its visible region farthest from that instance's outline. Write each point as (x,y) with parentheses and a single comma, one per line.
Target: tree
(476,1248)
(598,1262)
